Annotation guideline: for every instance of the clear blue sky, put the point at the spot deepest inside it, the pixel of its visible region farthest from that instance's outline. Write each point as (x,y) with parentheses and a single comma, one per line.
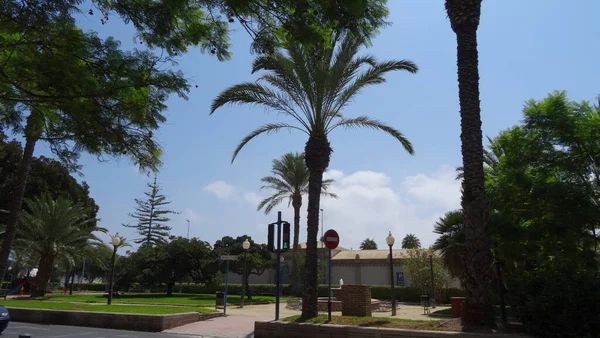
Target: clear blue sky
(527,49)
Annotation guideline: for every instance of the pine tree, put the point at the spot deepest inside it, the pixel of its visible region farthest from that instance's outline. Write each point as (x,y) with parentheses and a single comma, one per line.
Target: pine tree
(152,217)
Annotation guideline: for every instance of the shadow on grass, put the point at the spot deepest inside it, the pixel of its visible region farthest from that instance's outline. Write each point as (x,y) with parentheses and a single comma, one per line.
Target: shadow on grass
(374,323)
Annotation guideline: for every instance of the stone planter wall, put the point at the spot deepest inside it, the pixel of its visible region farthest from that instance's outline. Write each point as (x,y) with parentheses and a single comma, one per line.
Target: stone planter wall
(121,321)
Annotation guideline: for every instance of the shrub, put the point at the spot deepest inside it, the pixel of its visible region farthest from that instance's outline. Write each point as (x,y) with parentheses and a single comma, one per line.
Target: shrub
(557,300)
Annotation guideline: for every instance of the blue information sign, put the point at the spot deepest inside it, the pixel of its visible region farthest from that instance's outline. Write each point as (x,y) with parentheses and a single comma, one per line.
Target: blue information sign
(400,278)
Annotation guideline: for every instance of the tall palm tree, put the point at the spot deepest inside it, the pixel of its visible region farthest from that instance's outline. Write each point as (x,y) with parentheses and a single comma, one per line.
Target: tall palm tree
(54,229)
(312,87)
(410,241)
(289,181)
(464,18)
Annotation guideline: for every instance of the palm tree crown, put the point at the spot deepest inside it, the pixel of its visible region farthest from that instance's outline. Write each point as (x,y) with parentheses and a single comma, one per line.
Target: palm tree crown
(451,242)
(54,229)
(368,244)
(411,241)
(289,180)
(313,88)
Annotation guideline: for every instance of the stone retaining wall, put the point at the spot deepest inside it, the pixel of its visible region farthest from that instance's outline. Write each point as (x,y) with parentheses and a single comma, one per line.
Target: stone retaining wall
(121,321)
(301,330)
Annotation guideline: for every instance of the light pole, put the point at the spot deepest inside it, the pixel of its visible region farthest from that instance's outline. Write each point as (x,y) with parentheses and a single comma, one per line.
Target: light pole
(390,242)
(432,285)
(188,233)
(246,246)
(115,241)
(321,244)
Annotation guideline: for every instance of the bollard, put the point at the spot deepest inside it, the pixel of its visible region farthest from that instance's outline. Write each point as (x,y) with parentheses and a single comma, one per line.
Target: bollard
(25,335)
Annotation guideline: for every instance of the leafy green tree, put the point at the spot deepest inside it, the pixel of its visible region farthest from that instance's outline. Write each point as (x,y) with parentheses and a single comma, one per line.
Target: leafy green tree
(78,92)
(570,129)
(368,244)
(258,257)
(46,176)
(95,263)
(418,268)
(464,18)
(167,264)
(289,181)
(410,241)
(152,216)
(54,229)
(312,88)
(81,93)
(182,258)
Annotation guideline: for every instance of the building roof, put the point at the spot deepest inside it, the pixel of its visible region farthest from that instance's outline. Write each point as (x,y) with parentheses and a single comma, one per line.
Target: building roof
(370,254)
(320,245)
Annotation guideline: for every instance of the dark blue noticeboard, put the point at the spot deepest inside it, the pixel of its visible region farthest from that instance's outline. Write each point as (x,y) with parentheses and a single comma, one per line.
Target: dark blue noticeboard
(400,278)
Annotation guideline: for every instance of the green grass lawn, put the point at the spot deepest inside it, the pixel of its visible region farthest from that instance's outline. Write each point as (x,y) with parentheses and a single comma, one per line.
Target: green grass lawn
(205,300)
(446,312)
(139,309)
(396,323)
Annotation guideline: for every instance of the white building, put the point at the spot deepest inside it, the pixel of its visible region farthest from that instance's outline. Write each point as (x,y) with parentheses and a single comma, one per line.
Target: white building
(363,267)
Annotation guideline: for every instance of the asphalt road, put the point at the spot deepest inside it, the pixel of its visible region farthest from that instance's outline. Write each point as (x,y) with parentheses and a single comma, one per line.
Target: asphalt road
(56,331)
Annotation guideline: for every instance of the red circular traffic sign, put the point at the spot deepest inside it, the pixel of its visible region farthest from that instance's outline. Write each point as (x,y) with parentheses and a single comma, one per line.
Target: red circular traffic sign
(332,239)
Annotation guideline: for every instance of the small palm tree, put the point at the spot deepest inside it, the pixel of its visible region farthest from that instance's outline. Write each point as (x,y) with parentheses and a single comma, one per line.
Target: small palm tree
(368,244)
(289,181)
(312,87)
(451,242)
(411,241)
(54,229)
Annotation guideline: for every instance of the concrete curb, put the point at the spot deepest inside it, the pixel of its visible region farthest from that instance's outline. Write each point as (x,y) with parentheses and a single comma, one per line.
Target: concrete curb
(108,320)
(273,329)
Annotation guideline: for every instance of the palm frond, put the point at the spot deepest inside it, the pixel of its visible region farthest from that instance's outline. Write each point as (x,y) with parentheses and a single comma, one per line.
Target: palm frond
(267,128)
(366,122)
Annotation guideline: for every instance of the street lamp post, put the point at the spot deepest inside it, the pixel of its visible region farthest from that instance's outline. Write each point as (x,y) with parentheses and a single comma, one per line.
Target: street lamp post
(321,245)
(246,246)
(188,233)
(115,241)
(390,242)
(432,282)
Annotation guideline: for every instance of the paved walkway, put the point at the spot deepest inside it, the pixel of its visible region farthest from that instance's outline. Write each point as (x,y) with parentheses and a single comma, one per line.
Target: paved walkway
(239,323)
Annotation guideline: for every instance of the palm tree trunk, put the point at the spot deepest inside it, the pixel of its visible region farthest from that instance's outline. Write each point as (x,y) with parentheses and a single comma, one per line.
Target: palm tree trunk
(297,204)
(43,275)
(478,311)
(32,134)
(317,154)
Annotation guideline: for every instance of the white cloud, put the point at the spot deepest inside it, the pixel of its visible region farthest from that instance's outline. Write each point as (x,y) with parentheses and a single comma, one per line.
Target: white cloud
(221,189)
(190,214)
(253,198)
(368,206)
(440,188)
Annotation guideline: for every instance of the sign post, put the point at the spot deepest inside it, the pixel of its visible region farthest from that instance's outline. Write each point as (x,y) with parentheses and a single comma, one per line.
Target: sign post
(278,249)
(332,240)
(227,258)
(278,272)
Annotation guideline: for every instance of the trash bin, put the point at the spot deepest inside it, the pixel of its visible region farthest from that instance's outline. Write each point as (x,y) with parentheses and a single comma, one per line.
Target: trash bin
(219,299)
(425,303)
(425,300)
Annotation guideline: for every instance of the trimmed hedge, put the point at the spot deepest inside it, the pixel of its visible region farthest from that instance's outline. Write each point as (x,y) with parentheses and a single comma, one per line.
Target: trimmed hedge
(403,294)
